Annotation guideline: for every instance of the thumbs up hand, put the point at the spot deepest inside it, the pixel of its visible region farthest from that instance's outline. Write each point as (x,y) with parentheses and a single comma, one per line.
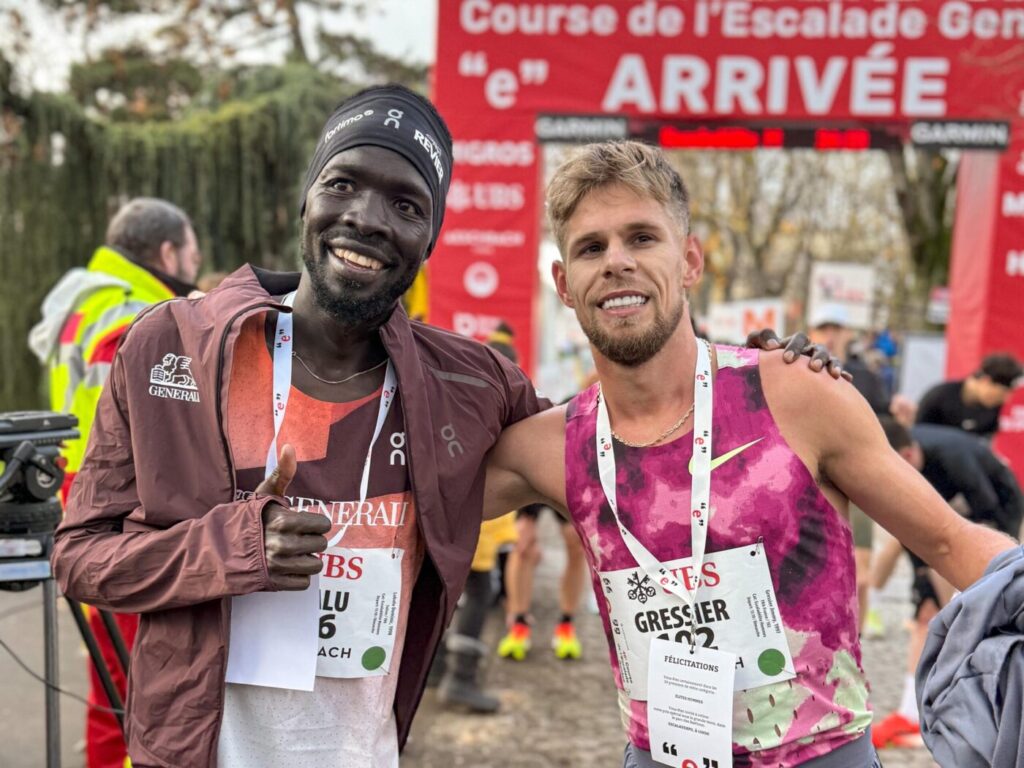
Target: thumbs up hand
(290,539)
(277,482)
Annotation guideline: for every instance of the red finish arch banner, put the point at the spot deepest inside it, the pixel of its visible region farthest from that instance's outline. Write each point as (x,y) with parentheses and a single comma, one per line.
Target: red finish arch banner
(716,73)
(829,60)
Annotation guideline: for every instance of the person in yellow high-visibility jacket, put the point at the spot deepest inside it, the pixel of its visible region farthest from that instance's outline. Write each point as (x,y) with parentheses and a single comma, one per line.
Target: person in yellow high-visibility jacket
(150,255)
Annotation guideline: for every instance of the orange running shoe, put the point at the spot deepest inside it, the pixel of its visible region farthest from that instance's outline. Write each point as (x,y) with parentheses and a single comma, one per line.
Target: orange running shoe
(894,731)
(516,644)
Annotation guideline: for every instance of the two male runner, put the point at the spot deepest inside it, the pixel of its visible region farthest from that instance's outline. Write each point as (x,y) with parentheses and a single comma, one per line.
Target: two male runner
(316,385)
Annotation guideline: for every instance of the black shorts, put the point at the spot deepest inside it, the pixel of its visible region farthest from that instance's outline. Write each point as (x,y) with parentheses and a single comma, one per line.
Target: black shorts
(921,587)
(532,511)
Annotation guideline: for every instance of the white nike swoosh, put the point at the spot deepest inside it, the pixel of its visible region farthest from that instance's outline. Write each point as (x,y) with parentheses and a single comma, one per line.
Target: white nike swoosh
(720,460)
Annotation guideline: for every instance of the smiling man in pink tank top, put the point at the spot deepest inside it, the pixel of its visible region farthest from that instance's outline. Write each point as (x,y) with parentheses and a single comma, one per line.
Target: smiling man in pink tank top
(709,486)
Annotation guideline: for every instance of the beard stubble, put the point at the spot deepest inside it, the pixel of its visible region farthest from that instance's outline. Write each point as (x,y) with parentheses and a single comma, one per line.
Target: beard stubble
(633,349)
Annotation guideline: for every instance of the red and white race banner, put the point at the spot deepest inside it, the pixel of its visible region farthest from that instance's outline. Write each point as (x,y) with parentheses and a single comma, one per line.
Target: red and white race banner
(987,272)
(1005,327)
(484,271)
(832,59)
(987,278)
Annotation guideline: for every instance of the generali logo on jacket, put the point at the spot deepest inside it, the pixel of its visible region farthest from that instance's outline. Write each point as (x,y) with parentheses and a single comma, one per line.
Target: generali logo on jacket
(172,378)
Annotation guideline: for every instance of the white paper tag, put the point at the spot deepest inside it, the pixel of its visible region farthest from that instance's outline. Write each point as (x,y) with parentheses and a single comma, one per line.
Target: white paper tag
(273,639)
(360,597)
(736,612)
(689,708)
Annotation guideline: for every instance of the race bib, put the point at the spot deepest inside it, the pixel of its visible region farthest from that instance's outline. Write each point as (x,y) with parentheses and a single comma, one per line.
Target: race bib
(360,595)
(736,612)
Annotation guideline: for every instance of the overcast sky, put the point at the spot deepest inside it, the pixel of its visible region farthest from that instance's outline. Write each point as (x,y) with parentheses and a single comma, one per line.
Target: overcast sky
(403,28)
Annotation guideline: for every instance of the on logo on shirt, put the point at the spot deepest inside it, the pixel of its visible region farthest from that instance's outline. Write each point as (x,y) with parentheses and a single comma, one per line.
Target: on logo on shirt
(397,441)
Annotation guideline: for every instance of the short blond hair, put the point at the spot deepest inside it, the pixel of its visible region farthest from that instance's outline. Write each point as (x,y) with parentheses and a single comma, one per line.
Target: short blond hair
(640,167)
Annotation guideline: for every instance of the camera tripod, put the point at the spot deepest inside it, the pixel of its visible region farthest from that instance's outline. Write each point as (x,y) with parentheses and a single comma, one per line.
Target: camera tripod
(29,513)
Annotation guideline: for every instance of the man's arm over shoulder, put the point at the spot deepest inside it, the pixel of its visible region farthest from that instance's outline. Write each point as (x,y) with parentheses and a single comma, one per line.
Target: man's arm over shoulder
(833,429)
(95,560)
(527,465)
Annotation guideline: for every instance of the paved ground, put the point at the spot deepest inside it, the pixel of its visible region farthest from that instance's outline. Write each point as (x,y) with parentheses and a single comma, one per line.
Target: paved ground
(553,713)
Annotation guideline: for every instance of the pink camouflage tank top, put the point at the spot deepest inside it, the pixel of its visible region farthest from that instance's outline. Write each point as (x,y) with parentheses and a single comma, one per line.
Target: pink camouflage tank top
(765,492)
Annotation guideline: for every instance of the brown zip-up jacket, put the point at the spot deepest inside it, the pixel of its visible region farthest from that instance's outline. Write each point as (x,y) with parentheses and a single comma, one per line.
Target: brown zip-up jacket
(152,526)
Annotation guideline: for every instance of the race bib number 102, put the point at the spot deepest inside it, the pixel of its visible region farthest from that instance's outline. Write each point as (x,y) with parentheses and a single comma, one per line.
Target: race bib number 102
(736,611)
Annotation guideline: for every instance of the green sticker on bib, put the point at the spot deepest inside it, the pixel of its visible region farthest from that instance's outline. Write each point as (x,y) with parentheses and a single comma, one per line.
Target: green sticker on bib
(770,662)
(374,657)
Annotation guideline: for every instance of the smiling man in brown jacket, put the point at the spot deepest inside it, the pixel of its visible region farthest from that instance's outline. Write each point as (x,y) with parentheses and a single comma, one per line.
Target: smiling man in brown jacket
(164,520)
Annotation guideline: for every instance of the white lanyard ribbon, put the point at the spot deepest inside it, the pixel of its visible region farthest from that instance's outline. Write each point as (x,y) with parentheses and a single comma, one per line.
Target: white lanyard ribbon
(283,341)
(700,493)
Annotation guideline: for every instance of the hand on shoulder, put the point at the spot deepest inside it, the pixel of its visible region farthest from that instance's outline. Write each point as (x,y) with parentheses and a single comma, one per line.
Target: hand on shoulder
(782,363)
(797,346)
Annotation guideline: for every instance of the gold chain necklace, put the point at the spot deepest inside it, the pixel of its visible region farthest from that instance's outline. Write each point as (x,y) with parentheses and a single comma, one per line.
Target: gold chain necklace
(667,432)
(660,437)
(340,381)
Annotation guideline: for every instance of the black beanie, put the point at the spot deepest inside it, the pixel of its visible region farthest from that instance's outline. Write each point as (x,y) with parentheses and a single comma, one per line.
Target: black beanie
(395,118)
